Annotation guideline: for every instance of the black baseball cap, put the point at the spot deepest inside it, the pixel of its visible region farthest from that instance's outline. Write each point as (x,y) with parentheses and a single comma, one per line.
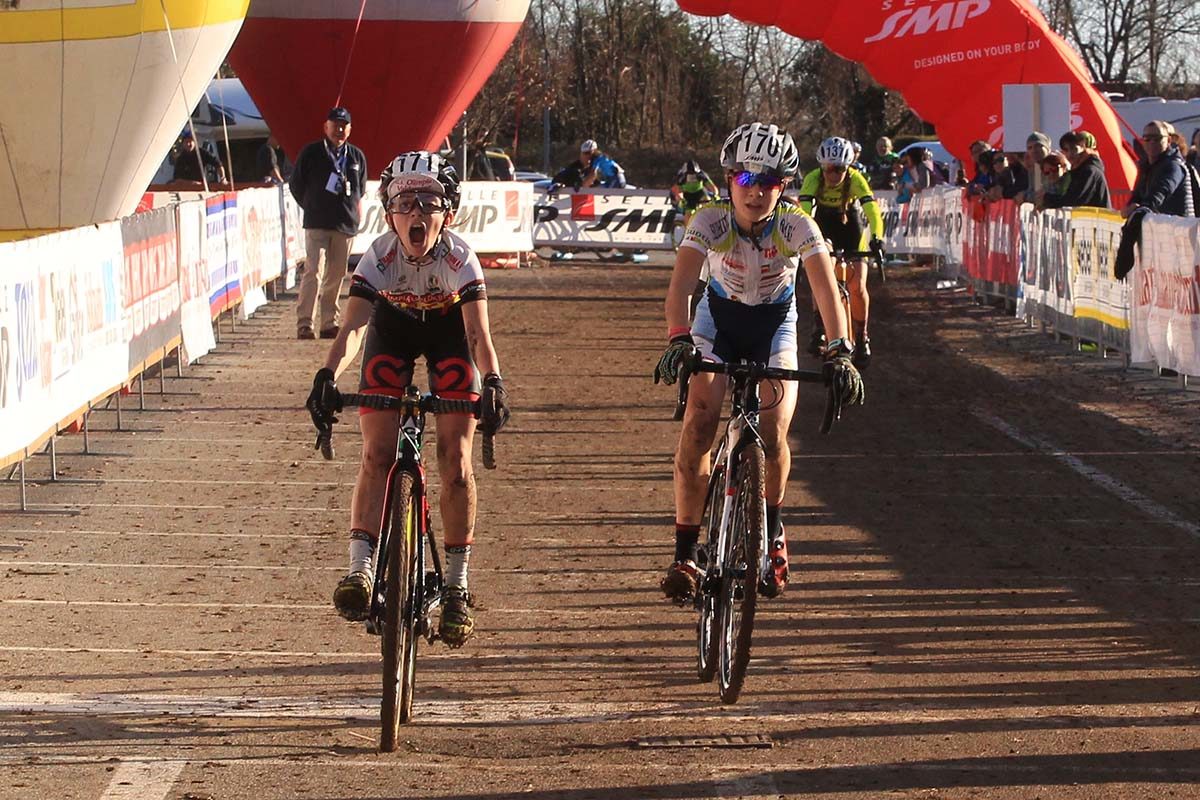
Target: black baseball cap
(339,114)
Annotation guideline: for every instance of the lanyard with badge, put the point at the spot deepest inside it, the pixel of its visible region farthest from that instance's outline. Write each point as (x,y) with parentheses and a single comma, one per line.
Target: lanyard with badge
(337,184)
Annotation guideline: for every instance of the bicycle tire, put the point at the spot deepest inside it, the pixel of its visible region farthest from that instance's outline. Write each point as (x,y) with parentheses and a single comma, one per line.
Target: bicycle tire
(739,587)
(707,640)
(399,629)
(678,229)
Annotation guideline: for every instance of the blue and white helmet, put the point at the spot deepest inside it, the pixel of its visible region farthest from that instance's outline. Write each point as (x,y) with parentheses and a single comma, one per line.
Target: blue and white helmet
(420,171)
(835,151)
(589,146)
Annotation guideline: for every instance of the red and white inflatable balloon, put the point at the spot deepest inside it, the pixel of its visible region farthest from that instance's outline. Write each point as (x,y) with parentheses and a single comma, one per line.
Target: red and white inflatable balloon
(406,69)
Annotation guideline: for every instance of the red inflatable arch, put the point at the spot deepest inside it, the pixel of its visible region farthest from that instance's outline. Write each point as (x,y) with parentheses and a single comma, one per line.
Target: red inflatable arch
(949,59)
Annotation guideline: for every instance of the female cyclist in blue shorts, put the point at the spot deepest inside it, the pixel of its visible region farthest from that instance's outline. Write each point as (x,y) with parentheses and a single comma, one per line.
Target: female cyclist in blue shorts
(752,245)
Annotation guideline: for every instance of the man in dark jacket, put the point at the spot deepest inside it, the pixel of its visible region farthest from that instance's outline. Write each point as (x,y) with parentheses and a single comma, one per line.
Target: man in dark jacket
(1086,184)
(328,183)
(1162,184)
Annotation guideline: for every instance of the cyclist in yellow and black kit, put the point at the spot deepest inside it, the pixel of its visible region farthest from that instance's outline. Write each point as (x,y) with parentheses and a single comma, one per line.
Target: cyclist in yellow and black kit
(833,194)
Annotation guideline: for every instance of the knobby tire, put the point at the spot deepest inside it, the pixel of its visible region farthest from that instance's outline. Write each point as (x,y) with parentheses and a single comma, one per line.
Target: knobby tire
(399,630)
(739,587)
(707,630)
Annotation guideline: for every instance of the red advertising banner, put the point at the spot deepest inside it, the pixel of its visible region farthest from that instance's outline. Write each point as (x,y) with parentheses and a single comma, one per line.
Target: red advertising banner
(992,245)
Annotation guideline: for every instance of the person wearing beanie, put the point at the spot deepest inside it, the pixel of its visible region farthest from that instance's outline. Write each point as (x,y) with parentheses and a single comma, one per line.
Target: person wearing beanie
(1086,184)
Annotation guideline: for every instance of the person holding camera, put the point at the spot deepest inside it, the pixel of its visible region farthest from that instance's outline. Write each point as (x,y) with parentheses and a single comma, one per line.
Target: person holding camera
(328,183)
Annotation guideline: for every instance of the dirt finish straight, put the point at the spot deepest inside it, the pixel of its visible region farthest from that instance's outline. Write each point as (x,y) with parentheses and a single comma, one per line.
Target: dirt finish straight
(971,613)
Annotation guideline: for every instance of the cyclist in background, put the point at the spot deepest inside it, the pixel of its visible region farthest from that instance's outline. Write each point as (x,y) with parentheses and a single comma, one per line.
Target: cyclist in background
(692,188)
(834,193)
(752,246)
(605,172)
(417,291)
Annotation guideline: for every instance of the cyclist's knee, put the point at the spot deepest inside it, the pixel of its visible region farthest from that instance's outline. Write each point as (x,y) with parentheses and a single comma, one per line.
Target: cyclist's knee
(377,457)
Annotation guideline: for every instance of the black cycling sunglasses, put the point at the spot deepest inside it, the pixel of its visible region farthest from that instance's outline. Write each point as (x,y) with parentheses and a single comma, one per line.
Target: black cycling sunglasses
(428,202)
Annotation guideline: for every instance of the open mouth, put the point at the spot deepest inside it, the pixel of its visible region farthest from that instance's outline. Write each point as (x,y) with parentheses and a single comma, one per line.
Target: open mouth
(416,236)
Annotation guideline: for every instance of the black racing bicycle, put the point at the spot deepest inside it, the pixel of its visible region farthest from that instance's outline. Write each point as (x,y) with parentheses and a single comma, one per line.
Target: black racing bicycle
(734,555)
(408,574)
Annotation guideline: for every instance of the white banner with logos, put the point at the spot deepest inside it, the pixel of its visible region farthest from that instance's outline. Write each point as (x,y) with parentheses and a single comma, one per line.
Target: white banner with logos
(1166,295)
(195,321)
(1046,285)
(62,330)
(605,218)
(931,223)
(493,216)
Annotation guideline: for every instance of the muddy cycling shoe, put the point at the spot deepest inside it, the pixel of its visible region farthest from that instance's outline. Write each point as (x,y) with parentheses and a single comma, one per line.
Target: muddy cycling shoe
(457,623)
(352,597)
(681,581)
(862,353)
(772,585)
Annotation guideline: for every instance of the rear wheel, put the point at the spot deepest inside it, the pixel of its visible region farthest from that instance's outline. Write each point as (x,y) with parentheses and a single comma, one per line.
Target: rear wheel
(399,632)
(707,629)
(739,586)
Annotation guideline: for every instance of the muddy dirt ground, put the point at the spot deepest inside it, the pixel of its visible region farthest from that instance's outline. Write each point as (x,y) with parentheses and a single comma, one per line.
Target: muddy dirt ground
(994,594)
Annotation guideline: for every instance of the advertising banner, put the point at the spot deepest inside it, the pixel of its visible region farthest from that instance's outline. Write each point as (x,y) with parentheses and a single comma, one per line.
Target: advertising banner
(62,329)
(1166,295)
(991,240)
(493,217)
(604,219)
(293,236)
(223,248)
(259,221)
(1101,301)
(195,321)
(151,284)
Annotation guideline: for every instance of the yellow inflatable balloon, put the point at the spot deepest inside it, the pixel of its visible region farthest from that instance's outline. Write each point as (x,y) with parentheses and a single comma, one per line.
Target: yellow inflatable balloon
(94,94)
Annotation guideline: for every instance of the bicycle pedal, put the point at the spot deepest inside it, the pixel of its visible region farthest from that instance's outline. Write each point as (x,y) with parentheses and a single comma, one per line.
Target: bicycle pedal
(372,627)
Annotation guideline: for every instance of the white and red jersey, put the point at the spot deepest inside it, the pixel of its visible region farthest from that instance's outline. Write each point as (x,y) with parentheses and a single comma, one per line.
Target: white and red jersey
(754,272)
(447,277)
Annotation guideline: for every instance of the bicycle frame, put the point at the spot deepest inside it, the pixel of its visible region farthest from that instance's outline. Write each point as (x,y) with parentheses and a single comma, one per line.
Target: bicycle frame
(408,459)
(740,430)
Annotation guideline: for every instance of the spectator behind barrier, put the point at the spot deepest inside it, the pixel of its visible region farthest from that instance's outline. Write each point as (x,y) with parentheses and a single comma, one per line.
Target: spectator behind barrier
(1010,180)
(1037,147)
(1193,155)
(1162,185)
(881,171)
(1085,185)
(984,175)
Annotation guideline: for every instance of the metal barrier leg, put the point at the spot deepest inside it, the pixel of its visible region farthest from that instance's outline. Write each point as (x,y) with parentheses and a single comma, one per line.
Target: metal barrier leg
(54,457)
(87,445)
(162,374)
(179,361)
(217,329)
(24,505)
(119,408)
(142,391)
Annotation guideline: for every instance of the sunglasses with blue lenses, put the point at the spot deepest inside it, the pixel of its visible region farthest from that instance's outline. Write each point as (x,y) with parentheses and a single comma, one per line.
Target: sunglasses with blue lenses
(748,179)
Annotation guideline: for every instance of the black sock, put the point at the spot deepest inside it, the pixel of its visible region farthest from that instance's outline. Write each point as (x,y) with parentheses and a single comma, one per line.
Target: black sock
(774,521)
(686,537)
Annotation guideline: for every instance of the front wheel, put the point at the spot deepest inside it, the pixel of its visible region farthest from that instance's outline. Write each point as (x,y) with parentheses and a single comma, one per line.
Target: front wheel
(399,613)
(707,629)
(739,584)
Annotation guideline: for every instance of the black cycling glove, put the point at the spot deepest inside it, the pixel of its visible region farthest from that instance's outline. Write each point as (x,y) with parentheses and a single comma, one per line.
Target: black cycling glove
(493,404)
(667,369)
(842,375)
(323,401)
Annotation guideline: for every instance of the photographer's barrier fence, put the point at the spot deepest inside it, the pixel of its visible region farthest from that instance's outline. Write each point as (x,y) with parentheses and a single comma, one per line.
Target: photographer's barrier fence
(85,311)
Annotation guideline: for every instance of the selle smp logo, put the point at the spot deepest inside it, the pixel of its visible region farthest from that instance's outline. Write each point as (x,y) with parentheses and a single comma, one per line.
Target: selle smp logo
(910,21)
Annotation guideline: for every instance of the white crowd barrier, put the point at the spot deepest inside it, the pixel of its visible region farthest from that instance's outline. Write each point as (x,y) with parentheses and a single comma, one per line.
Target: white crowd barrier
(84,311)
(1058,266)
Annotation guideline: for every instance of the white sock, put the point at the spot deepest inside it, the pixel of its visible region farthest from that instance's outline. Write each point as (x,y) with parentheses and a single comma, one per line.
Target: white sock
(362,552)
(457,557)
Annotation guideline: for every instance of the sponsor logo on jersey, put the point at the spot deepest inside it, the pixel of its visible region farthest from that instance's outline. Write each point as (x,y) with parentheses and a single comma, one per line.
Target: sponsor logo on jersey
(429,301)
(923,19)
